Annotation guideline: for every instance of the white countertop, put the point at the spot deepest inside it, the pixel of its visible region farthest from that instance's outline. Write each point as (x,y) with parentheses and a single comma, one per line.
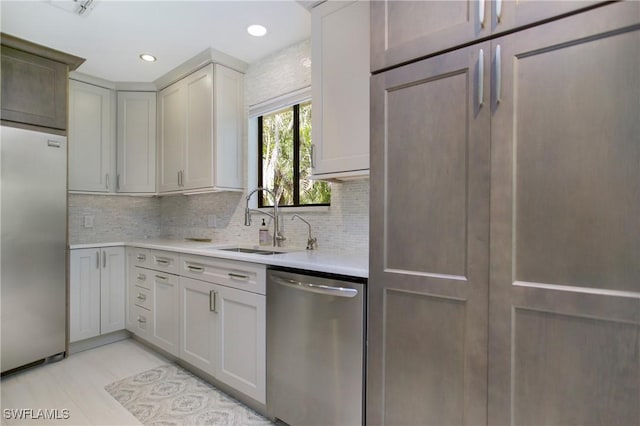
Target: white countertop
(355,264)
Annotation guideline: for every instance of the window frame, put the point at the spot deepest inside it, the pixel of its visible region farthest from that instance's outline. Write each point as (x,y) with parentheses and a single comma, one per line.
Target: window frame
(296,158)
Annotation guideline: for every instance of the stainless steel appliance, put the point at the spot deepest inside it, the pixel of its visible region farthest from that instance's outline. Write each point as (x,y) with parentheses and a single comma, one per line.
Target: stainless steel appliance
(315,348)
(33,222)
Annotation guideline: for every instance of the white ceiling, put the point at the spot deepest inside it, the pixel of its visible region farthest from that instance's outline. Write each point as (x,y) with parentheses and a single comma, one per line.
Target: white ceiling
(115,32)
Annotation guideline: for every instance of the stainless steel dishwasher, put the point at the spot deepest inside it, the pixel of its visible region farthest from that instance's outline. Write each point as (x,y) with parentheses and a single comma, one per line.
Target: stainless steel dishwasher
(315,348)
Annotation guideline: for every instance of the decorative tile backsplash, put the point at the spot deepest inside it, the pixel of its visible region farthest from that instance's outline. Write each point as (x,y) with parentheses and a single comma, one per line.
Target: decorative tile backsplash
(343,226)
(115,218)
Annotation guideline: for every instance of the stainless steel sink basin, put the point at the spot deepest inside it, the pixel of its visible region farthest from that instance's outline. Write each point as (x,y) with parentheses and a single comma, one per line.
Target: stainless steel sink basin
(250,250)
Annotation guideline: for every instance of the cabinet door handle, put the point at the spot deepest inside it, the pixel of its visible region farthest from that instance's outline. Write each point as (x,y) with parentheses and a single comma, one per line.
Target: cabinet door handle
(213,296)
(106,181)
(498,74)
(498,10)
(141,320)
(481,78)
(98,259)
(161,277)
(481,13)
(313,156)
(238,276)
(141,297)
(142,277)
(118,182)
(192,268)
(141,257)
(104,259)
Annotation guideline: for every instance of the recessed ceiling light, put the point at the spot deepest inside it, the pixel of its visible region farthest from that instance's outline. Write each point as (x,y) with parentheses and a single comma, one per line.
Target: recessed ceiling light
(147,57)
(256,30)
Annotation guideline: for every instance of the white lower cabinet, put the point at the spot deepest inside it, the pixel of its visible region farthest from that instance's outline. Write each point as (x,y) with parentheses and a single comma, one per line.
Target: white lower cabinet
(242,341)
(166,325)
(213,323)
(97,292)
(223,333)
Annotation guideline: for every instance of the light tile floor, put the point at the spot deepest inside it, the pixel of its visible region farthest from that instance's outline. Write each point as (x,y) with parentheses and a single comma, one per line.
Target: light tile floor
(77,384)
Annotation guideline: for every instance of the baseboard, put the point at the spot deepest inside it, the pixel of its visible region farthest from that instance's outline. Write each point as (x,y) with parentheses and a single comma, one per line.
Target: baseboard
(101,340)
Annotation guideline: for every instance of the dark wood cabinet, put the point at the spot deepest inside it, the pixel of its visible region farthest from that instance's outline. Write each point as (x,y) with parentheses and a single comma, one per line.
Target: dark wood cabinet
(34,84)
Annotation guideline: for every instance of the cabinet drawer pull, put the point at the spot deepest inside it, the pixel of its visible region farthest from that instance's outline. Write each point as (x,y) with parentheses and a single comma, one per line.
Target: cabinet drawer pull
(141,297)
(161,277)
(141,257)
(195,268)
(213,296)
(234,276)
(162,261)
(141,320)
(142,277)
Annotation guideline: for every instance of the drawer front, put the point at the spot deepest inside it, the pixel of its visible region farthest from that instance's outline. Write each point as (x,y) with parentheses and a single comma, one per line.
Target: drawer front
(141,321)
(165,261)
(140,277)
(241,275)
(139,257)
(141,297)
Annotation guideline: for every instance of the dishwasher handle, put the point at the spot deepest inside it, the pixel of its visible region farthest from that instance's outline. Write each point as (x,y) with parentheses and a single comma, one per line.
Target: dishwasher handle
(316,288)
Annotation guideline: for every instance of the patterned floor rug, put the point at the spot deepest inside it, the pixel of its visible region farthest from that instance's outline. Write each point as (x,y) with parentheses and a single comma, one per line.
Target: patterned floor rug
(170,395)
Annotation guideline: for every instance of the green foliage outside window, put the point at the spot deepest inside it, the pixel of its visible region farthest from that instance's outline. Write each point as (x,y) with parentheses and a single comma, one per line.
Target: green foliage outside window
(286,158)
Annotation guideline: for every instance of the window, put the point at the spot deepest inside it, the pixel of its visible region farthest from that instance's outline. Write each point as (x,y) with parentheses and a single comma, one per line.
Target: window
(284,158)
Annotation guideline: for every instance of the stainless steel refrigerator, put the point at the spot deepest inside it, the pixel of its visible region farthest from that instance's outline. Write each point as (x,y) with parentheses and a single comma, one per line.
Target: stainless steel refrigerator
(33,220)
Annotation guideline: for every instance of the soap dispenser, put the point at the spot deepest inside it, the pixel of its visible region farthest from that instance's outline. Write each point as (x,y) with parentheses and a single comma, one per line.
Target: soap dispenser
(263,234)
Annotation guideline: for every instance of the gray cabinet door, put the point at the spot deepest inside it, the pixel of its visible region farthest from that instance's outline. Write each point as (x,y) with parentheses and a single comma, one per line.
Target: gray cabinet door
(403,31)
(564,342)
(428,282)
(34,89)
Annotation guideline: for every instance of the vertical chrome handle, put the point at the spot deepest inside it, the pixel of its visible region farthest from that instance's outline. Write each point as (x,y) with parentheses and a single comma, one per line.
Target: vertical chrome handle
(498,74)
(118,182)
(481,78)
(481,13)
(498,10)
(179,171)
(104,259)
(98,259)
(313,156)
(212,301)
(106,181)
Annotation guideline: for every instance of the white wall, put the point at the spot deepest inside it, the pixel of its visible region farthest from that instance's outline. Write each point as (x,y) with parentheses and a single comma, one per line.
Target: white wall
(344,226)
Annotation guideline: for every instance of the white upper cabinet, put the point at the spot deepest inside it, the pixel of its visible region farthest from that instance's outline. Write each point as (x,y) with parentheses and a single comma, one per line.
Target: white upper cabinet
(136,142)
(340,84)
(200,132)
(92,145)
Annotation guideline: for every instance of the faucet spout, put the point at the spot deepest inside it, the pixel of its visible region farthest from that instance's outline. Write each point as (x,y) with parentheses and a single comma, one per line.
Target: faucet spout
(277,235)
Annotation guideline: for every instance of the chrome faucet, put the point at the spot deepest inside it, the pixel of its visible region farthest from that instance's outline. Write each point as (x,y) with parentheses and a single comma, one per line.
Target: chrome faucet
(311,242)
(278,238)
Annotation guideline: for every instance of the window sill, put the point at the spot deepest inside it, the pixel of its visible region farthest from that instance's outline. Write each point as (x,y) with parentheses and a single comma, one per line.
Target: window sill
(298,209)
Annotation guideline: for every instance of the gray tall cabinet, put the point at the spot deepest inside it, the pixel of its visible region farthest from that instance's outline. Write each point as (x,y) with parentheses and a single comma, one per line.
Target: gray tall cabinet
(505,206)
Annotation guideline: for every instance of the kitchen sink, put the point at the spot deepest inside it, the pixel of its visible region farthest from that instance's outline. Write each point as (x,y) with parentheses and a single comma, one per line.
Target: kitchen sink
(251,250)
